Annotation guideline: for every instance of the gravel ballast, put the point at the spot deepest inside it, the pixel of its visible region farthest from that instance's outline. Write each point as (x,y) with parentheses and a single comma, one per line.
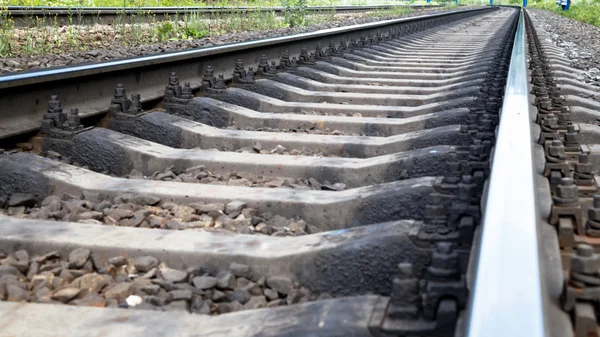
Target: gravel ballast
(148,212)
(143,282)
(199,174)
(580,41)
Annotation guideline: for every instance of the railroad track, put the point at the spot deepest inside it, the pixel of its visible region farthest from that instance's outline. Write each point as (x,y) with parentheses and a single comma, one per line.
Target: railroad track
(339,181)
(24,16)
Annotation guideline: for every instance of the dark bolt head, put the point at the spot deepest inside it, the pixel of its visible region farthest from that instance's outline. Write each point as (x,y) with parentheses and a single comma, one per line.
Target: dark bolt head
(467,179)
(545,104)
(594,211)
(571,137)
(566,181)
(550,120)
(54,105)
(558,100)
(209,72)
(54,102)
(584,166)
(597,201)
(444,247)
(173,79)
(556,149)
(567,189)
(563,118)
(120,91)
(584,250)
(74,111)
(406,270)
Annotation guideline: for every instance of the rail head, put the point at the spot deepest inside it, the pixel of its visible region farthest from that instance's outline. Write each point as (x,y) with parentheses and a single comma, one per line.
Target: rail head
(507,299)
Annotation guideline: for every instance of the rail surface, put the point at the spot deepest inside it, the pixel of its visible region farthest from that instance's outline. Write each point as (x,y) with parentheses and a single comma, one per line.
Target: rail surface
(26,16)
(509,241)
(446,164)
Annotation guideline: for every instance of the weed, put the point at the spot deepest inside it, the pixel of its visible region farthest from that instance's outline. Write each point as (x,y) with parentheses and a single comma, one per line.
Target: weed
(266,20)
(195,26)
(73,31)
(44,35)
(6,33)
(393,11)
(294,13)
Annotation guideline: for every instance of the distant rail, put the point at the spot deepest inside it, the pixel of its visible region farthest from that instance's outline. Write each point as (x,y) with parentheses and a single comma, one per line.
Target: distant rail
(25,16)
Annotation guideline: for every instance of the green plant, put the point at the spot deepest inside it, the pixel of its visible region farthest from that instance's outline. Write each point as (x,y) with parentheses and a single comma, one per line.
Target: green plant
(165,29)
(136,35)
(73,31)
(392,11)
(195,26)
(6,33)
(192,32)
(121,27)
(294,13)
(265,20)
(44,35)
(55,38)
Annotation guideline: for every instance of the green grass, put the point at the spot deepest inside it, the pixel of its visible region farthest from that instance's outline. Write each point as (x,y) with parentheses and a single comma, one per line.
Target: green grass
(180,3)
(392,11)
(584,11)
(44,36)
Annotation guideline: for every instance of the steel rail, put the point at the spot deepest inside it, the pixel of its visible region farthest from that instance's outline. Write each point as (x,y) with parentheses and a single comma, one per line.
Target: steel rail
(41,10)
(25,16)
(507,295)
(23,95)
